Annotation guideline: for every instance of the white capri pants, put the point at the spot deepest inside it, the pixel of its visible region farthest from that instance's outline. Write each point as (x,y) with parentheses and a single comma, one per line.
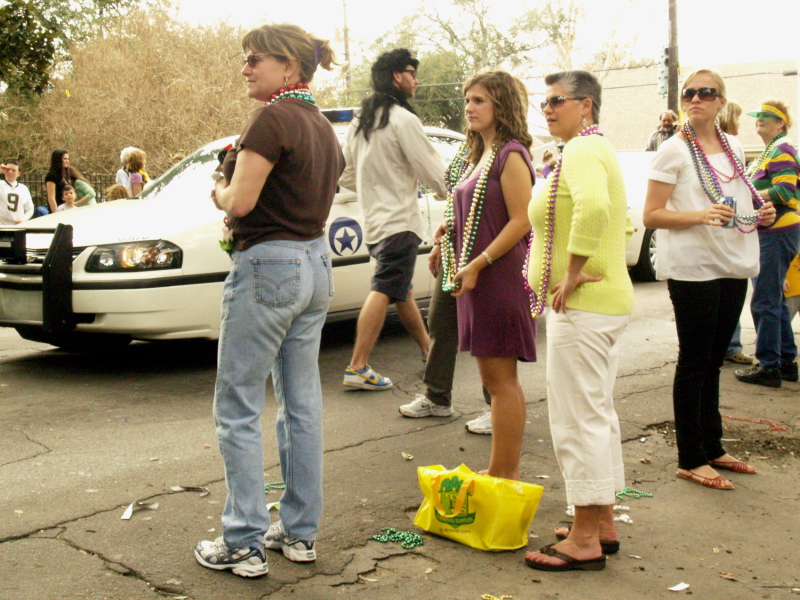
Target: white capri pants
(582,363)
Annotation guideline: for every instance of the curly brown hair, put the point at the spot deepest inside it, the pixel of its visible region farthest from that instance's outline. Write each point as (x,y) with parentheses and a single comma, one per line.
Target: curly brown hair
(510,100)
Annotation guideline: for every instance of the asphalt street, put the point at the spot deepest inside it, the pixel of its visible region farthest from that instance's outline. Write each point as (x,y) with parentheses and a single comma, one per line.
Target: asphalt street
(85,435)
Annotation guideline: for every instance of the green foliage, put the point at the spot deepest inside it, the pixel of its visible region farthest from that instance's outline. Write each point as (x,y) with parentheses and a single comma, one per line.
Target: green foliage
(27,47)
(35,35)
(149,81)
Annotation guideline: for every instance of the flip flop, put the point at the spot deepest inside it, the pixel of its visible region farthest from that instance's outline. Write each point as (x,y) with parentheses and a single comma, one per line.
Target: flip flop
(733,465)
(609,547)
(570,563)
(716,483)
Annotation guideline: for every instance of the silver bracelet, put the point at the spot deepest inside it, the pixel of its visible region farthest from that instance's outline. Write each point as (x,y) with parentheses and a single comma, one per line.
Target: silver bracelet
(488,258)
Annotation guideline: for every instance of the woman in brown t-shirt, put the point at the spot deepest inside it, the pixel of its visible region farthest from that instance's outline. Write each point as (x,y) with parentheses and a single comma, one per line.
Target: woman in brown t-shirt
(278,187)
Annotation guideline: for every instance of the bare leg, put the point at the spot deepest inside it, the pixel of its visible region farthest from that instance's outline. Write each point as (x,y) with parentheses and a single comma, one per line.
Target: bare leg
(499,377)
(583,542)
(409,314)
(370,324)
(608,529)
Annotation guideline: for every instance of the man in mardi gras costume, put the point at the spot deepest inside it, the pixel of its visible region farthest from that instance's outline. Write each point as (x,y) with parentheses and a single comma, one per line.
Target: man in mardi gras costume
(387,151)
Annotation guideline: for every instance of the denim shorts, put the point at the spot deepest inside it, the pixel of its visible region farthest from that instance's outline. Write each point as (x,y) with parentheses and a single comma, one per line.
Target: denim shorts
(396,257)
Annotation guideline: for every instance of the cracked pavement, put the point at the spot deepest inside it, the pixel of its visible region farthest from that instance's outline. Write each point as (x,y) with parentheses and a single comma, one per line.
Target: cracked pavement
(84,436)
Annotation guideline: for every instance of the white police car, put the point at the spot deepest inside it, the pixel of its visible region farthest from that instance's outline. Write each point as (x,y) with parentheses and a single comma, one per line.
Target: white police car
(151,268)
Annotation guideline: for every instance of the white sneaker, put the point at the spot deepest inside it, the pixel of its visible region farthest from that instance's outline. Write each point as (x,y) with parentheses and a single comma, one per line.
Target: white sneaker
(366,379)
(423,407)
(481,425)
(292,548)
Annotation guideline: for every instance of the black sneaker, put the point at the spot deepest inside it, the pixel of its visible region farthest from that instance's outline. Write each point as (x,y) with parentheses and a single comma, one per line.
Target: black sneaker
(770,377)
(789,371)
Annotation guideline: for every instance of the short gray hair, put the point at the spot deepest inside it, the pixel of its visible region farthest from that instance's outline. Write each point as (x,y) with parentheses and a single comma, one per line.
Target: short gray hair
(671,113)
(580,83)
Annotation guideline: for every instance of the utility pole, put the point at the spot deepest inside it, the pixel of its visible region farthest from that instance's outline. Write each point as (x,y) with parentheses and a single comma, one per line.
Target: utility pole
(672,98)
(346,48)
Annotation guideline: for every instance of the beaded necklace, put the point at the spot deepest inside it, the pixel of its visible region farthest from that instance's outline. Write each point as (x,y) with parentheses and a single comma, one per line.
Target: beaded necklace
(538,300)
(458,171)
(295,91)
(758,164)
(708,175)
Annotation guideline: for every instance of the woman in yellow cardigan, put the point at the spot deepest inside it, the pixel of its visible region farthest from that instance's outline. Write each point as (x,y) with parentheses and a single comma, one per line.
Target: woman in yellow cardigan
(577,267)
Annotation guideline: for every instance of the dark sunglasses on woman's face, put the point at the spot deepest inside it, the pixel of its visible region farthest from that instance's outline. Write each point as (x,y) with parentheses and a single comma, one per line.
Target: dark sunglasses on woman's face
(557,101)
(705,93)
(251,60)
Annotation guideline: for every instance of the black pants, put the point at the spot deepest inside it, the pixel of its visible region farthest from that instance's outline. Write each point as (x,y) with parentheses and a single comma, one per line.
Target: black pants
(706,313)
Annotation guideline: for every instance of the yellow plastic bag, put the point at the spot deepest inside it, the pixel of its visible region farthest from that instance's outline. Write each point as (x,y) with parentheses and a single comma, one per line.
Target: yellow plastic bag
(488,513)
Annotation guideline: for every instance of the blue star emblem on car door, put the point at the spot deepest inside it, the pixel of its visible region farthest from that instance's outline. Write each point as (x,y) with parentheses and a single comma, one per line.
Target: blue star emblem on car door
(345,236)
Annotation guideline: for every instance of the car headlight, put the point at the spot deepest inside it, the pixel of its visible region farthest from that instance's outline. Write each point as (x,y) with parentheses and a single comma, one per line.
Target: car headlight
(135,256)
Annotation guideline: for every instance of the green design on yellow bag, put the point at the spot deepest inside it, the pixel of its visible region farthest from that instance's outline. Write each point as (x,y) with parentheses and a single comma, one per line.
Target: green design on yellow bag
(488,513)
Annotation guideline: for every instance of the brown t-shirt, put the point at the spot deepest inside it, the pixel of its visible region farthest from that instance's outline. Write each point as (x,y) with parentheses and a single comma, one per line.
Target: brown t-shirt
(297,196)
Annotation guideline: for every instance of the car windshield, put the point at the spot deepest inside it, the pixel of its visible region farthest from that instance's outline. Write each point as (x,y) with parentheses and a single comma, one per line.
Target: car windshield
(190,178)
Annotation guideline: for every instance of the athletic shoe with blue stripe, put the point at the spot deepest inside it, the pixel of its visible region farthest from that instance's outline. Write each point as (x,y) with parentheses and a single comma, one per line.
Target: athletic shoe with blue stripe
(244,562)
(292,548)
(366,379)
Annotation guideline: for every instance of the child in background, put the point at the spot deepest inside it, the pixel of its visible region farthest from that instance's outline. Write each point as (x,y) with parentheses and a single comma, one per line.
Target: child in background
(69,196)
(117,192)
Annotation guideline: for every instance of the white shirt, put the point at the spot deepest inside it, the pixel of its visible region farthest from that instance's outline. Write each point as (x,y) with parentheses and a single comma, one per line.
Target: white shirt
(15,203)
(702,252)
(384,171)
(123,178)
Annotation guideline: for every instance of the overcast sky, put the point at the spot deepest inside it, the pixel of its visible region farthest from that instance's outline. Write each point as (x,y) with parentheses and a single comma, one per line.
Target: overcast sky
(711,32)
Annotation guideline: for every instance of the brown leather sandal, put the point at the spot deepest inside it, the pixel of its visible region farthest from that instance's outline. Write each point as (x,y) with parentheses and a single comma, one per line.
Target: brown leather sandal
(717,483)
(737,466)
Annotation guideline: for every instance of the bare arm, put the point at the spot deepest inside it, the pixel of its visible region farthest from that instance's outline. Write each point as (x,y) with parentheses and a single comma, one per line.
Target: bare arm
(51,195)
(656,215)
(516,184)
(241,196)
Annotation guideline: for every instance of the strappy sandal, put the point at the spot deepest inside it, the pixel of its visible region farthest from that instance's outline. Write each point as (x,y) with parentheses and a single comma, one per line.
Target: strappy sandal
(717,483)
(609,547)
(570,562)
(733,465)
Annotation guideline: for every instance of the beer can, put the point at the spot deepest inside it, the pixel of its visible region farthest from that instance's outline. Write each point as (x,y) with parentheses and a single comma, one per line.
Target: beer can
(729,201)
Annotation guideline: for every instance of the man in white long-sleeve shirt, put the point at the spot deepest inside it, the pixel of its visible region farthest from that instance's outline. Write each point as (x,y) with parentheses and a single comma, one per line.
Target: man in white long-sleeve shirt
(387,151)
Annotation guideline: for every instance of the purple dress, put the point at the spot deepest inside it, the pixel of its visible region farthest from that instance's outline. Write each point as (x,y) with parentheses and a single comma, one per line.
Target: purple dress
(494,319)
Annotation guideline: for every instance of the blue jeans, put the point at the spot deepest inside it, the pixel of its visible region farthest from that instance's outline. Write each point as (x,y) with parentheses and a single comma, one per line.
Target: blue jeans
(736,341)
(774,336)
(274,305)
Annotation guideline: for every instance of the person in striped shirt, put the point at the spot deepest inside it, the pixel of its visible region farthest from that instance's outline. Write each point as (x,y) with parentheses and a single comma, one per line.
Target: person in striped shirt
(774,174)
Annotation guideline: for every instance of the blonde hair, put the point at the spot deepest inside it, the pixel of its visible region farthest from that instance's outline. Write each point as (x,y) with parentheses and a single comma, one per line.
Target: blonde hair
(728,117)
(117,192)
(510,100)
(285,41)
(781,106)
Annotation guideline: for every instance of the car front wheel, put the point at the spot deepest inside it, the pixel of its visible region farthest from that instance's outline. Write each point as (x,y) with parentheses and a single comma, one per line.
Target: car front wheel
(645,269)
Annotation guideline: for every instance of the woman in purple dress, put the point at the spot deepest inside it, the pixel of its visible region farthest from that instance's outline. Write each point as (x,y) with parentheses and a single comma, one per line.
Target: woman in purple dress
(484,253)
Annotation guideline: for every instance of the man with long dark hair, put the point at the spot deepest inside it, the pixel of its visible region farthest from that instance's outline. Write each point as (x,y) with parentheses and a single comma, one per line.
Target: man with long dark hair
(387,151)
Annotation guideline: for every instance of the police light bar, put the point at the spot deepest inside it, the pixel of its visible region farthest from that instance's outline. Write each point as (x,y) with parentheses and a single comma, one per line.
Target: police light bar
(338,115)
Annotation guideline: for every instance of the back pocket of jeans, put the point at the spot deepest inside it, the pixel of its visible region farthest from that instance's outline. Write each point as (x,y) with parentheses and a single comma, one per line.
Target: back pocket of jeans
(277,280)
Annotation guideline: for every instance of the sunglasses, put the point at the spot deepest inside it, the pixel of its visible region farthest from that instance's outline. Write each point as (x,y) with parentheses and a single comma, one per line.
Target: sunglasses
(557,101)
(705,93)
(251,60)
(412,72)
